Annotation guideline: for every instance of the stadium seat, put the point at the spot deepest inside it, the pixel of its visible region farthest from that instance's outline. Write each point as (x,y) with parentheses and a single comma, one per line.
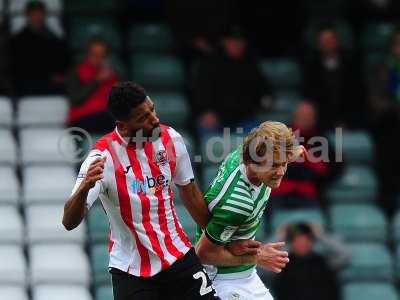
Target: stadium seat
(377,36)
(83,29)
(42,111)
(369,291)
(215,148)
(43,225)
(6,112)
(190,143)
(285,103)
(1,6)
(74,7)
(158,72)
(60,292)
(342,27)
(11,226)
(282,73)
(104,293)
(50,185)
(189,226)
(18,22)
(396,227)
(9,186)
(8,148)
(98,224)
(13,267)
(209,173)
(46,146)
(13,292)
(52,6)
(59,264)
(369,261)
(356,184)
(150,38)
(172,108)
(357,146)
(287,216)
(358,222)
(99,258)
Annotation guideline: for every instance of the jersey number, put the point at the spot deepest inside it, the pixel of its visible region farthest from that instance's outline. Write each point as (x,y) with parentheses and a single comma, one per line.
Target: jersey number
(204,289)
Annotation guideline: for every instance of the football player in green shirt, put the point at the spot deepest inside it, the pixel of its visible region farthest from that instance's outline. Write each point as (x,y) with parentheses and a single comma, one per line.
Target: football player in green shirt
(236,199)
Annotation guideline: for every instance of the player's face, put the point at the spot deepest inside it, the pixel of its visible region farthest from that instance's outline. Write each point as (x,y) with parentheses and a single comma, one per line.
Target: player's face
(271,175)
(143,118)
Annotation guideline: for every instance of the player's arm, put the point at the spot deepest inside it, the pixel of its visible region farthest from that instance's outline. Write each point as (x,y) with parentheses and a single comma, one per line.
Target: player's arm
(211,253)
(194,203)
(87,189)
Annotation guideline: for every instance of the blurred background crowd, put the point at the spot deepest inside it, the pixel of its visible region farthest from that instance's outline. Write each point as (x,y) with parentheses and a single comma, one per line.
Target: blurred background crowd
(207,65)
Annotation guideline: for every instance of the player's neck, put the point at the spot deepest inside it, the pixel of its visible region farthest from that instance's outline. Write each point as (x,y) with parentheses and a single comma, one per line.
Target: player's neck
(252,177)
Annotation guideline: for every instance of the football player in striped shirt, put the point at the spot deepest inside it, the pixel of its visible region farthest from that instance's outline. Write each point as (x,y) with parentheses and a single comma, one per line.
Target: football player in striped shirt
(236,199)
(131,170)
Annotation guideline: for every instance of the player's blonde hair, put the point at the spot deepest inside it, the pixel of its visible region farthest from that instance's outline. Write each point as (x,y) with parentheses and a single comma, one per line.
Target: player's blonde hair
(269,139)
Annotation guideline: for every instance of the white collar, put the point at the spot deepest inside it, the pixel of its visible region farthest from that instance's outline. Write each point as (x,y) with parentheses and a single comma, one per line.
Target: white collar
(124,140)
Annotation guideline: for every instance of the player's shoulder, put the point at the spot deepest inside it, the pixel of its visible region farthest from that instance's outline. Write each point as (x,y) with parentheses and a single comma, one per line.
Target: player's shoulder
(170,131)
(103,142)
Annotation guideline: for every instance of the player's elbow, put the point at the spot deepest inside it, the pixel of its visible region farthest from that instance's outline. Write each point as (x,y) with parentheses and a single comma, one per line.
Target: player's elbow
(68,225)
(204,254)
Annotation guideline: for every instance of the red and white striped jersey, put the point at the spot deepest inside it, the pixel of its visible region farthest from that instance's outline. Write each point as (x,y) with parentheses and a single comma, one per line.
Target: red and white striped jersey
(136,193)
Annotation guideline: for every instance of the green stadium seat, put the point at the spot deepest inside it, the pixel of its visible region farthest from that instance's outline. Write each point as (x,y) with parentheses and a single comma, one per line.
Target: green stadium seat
(369,291)
(356,184)
(357,146)
(84,29)
(358,222)
(157,72)
(104,292)
(189,226)
(284,117)
(90,6)
(342,27)
(326,9)
(209,173)
(285,103)
(172,108)
(377,36)
(98,224)
(290,216)
(281,73)
(215,148)
(396,228)
(99,258)
(369,261)
(150,37)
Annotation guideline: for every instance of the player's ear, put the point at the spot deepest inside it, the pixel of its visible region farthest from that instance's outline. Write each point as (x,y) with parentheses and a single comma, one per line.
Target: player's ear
(122,127)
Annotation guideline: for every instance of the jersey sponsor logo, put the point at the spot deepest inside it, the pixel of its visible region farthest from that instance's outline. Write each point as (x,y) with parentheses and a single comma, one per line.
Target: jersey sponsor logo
(227,233)
(149,184)
(161,157)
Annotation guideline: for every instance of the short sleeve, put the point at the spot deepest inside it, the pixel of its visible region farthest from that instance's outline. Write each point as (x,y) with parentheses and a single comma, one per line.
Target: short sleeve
(183,173)
(223,224)
(98,188)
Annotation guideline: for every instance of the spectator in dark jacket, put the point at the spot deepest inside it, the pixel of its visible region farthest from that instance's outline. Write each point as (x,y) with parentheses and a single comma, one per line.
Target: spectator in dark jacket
(301,185)
(228,87)
(88,86)
(334,83)
(39,57)
(307,276)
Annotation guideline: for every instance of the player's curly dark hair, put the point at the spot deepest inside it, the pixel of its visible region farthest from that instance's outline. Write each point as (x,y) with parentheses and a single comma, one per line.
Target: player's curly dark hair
(123,97)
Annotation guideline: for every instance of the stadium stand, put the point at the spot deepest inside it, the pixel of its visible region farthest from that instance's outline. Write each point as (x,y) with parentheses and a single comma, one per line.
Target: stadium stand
(39,256)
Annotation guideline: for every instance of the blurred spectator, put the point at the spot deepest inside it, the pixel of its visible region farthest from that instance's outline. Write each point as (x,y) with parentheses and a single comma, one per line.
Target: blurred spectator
(39,57)
(302,183)
(333,81)
(308,275)
(384,98)
(88,86)
(228,87)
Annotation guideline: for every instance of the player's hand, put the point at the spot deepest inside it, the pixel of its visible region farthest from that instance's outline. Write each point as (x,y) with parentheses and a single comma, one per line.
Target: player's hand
(242,247)
(271,257)
(94,172)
